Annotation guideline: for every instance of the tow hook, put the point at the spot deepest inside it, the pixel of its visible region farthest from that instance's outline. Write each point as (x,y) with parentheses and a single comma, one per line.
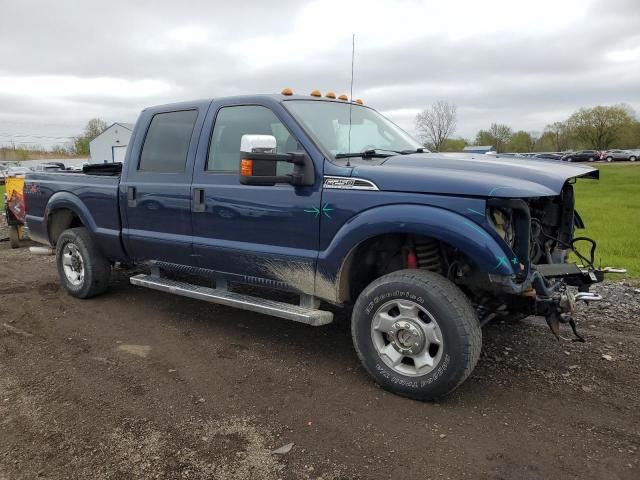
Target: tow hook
(564,313)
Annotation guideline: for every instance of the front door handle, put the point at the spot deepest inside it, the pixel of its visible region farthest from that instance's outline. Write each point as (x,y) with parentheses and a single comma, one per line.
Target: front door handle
(131,196)
(198,200)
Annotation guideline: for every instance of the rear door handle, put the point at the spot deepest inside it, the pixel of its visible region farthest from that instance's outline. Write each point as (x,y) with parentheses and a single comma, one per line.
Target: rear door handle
(198,200)
(131,196)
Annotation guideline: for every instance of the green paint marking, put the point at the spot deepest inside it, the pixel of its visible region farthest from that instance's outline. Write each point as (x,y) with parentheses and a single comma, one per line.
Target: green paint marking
(317,211)
(501,261)
(326,209)
(515,261)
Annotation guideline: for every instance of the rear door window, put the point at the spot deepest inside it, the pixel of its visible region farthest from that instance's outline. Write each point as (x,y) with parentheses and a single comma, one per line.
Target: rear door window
(167,142)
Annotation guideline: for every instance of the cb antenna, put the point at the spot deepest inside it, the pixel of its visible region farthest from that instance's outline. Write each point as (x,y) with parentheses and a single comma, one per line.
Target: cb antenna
(353,54)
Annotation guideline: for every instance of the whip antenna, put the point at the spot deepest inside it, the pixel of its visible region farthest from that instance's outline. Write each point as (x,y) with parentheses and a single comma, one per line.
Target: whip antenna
(353,54)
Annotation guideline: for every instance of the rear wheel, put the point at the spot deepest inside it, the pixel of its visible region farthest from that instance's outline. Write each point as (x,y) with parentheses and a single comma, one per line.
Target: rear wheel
(569,159)
(609,159)
(416,334)
(632,159)
(83,270)
(591,159)
(14,236)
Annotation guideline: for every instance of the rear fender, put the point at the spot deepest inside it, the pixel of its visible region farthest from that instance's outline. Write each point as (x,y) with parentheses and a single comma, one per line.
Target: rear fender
(107,240)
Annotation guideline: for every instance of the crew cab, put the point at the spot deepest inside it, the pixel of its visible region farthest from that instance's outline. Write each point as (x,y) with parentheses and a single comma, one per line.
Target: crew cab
(329,201)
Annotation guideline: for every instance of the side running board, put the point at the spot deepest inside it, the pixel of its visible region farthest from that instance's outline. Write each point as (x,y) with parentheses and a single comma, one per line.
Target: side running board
(222,296)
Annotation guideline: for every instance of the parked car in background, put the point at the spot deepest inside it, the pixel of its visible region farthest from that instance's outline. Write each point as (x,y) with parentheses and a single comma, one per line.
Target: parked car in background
(582,156)
(549,156)
(49,167)
(15,171)
(616,155)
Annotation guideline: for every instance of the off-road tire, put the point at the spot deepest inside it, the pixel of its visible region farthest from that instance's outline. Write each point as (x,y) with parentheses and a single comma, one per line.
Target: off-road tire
(97,268)
(14,236)
(454,314)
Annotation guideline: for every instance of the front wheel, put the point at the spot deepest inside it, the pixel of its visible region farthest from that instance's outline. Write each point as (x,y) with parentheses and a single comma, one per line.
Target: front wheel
(416,334)
(632,159)
(83,270)
(609,159)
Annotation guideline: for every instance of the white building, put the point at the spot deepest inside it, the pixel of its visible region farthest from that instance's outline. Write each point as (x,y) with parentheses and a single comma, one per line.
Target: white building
(111,145)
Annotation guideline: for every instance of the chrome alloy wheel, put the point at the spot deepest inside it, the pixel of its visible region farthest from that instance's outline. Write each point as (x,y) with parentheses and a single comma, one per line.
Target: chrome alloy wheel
(73,264)
(407,337)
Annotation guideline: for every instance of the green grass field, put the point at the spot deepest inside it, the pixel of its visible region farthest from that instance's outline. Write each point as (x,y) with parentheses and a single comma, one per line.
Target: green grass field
(610,209)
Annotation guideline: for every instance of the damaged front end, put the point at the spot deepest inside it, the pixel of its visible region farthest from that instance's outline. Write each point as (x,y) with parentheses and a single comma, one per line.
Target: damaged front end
(540,232)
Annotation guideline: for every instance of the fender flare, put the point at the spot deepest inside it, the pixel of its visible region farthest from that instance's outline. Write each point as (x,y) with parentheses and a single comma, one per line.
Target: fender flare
(69,201)
(445,225)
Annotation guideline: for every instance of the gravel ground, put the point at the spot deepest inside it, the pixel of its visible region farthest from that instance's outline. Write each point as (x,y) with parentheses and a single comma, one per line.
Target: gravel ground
(139,384)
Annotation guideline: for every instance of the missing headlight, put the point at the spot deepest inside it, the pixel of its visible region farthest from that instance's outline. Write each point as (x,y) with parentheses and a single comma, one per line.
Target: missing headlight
(502,223)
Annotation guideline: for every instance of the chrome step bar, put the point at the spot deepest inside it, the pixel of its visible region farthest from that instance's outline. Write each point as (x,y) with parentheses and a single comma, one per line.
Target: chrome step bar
(222,296)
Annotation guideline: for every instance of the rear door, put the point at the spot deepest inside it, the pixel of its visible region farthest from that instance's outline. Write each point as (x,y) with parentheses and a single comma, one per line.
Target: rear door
(156,192)
(254,232)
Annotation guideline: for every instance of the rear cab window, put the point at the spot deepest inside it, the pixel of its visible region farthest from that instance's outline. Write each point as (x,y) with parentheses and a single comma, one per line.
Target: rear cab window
(166,144)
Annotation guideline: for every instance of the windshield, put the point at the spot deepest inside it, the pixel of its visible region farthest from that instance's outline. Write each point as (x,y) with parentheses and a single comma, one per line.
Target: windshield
(328,122)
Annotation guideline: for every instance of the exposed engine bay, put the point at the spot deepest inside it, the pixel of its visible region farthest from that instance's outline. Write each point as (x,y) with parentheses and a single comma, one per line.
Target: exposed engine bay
(541,233)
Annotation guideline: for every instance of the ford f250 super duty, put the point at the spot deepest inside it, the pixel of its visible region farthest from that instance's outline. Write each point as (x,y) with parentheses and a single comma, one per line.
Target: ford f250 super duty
(328,200)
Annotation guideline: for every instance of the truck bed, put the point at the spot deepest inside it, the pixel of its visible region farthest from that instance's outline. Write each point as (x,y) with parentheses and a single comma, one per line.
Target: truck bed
(94,196)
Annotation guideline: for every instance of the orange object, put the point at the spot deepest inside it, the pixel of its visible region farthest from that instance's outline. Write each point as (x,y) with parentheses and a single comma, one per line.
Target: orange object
(316,93)
(359,101)
(343,97)
(246,167)
(287,91)
(330,95)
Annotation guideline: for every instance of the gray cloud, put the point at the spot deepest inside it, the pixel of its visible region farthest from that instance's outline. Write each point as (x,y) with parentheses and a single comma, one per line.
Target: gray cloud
(525,74)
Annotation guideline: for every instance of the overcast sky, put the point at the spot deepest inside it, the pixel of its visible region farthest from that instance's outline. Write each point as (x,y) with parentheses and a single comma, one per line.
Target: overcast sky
(524,63)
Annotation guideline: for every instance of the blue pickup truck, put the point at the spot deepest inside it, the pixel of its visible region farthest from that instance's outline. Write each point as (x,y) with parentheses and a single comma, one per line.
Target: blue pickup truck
(328,200)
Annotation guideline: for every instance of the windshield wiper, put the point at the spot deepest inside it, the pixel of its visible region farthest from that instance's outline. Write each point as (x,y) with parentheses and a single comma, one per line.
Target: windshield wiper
(374,153)
(364,154)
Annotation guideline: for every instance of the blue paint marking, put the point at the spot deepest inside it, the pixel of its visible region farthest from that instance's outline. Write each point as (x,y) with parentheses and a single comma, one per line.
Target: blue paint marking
(477,229)
(475,211)
(495,189)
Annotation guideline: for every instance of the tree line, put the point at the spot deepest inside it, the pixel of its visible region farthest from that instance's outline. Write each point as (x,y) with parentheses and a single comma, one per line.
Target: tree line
(599,128)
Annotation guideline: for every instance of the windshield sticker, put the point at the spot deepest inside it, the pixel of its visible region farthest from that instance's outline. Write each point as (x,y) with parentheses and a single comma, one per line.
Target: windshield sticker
(325,209)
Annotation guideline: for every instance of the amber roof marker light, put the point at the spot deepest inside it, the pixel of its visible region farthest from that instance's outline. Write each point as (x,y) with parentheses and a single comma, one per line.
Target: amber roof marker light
(315,93)
(343,97)
(287,92)
(359,101)
(330,95)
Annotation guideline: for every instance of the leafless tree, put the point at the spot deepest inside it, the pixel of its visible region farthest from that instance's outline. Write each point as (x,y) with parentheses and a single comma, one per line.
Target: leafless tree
(437,123)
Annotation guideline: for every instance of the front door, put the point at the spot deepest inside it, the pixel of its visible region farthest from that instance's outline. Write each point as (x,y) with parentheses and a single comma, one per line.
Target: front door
(261,234)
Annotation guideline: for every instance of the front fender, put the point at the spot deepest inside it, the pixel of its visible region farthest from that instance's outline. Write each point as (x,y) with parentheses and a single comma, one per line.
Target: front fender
(450,227)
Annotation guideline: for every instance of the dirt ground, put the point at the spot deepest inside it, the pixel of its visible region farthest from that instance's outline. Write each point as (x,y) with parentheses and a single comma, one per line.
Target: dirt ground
(140,384)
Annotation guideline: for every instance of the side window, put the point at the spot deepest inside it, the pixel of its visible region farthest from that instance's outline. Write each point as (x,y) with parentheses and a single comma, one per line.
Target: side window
(232,123)
(167,142)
